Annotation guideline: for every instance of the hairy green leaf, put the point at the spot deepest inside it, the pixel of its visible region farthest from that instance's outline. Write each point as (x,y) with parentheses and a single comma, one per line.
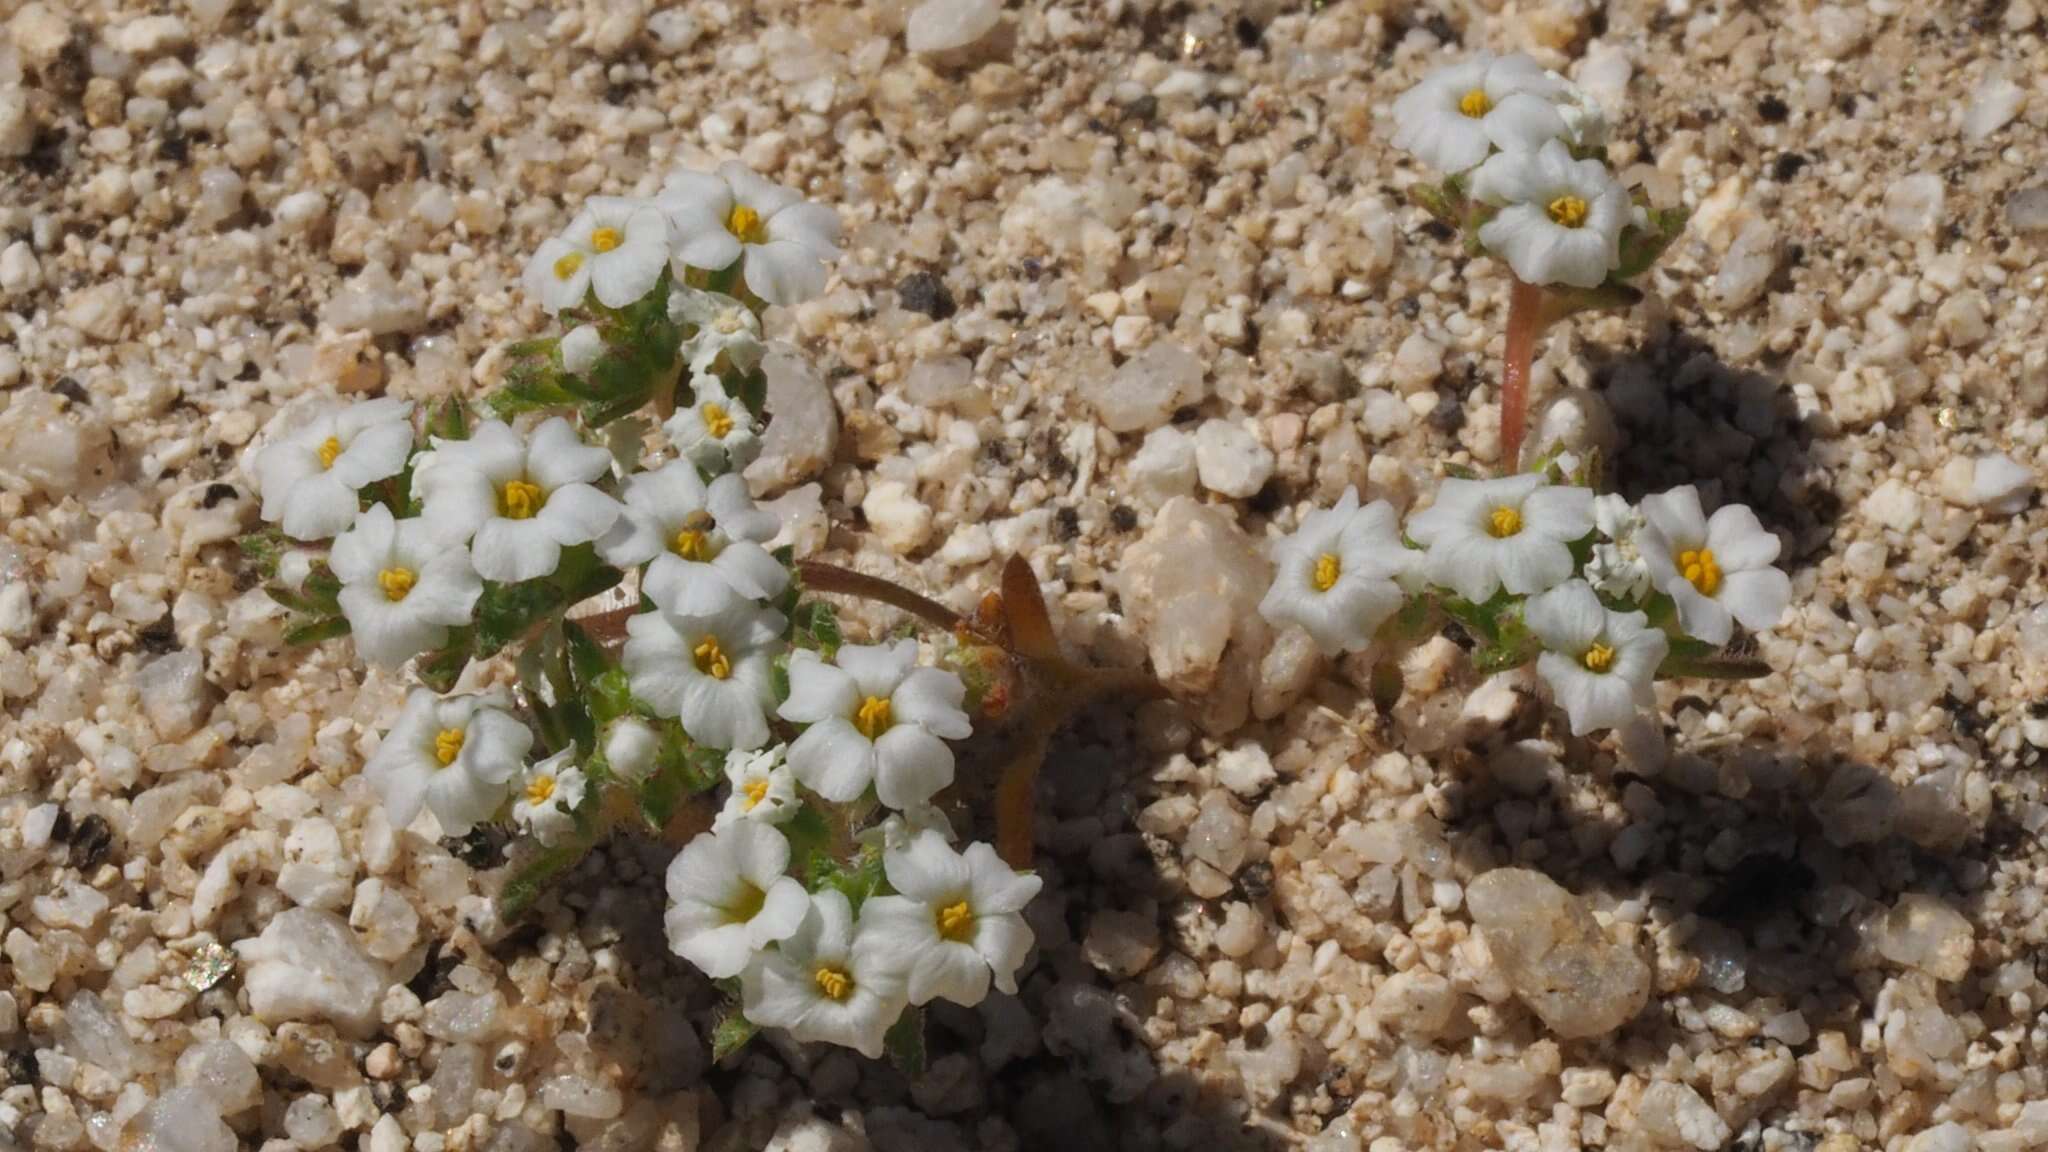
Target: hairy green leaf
(533,877)
(315,630)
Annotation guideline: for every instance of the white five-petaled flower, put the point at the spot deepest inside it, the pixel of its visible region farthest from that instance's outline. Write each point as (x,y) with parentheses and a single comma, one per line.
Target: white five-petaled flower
(1559,221)
(548,796)
(716,432)
(1513,532)
(763,788)
(733,214)
(1336,575)
(1600,665)
(615,247)
(874,717)
(701,543)
(714,673)
(729,898)
(1717,569)
(1616,568)
(455,756)
(827,983)
(523,501)
(402,586)
(1461,113)
(310,479)
(722,325)
(955,921)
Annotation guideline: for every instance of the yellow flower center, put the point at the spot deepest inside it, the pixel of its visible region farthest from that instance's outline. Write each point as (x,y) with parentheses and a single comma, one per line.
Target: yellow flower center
(717,420)
(746,905)
(448,745)
(745,223)
(1700,570)
(956,922)
(874,717)
(755,791)
(711,659)
(834,983)
(1328,568)
(1504,522)
(693,542)
(396,582)
(568,264)
(520,499)
(1568,211)
(606,239)
(540,790)
(1475,103)
(330,450)
(1598,658)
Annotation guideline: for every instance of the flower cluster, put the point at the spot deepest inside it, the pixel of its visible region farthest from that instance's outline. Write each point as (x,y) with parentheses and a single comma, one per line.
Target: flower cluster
(1523,156)
(663,651)
(1601,595)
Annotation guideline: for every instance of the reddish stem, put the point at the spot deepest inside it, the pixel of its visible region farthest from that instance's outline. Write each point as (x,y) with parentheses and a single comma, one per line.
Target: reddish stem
(822,577)
(1525,323)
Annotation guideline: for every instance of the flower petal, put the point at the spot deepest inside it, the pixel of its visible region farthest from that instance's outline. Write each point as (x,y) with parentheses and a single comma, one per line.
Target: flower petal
(510,551)
(833,759)
(927,869)
(556,457)
(1757,597)
(783,272)
(932,697)
(1738,539)
(1676,515)
(878,668)
(817,690)
(577,514)
(912,766)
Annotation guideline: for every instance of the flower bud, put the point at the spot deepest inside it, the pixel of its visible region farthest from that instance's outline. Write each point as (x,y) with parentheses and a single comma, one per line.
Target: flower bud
(630,747)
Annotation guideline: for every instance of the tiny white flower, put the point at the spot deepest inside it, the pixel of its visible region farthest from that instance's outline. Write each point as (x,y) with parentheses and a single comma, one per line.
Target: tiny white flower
(827,983)
(522,500)
(896,830)
(615,247)
(311,479)
(402,586)
(722,325)
(732,214)
(630,748)
(875,717)
(1513,532)
(1617,569)
(955,921)
(701,543)
(729,898)
(1336,576)
(1601,666)
(582,346)
(1460,113)
(548,796)
(763,788)
(1559,221)
(1718,570)
(716,432)
(455,756)
(714,673)
(1586,126)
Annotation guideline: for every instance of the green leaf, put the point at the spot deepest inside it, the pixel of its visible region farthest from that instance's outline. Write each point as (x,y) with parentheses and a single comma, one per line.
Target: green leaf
(1640,247)
(682,769)
(815,624)
(439,670)
(904,1042)
(450,420)
(261,550)
(733,1032)
(808,832)
(315,630)
(610,695)
(533,877)
(520,395)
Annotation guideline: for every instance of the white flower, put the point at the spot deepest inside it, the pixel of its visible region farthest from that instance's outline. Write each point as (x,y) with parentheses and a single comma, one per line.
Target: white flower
(1336,575)
(1585,121)
(524,500)
(716,432)
(732,214)
(1513,532)
(548,797)
(874,718)
(454,755)
(630,747)
(615,246)
(1560,219)
(1718,570)
(402,586)
(826,983)
(703,542)
(581,347)
(1616,569)
(310,479)
(1601,666)
(896,830)
(722,325)
(763,788)
(1460,113)
(955,920)
(715,673)
(728,898)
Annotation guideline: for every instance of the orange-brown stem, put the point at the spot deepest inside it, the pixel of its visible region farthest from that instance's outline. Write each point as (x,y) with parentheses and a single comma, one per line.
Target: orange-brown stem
(1525,323)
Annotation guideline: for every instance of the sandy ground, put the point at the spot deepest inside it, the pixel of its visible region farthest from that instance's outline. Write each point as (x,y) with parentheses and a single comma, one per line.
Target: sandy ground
(1102,226)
